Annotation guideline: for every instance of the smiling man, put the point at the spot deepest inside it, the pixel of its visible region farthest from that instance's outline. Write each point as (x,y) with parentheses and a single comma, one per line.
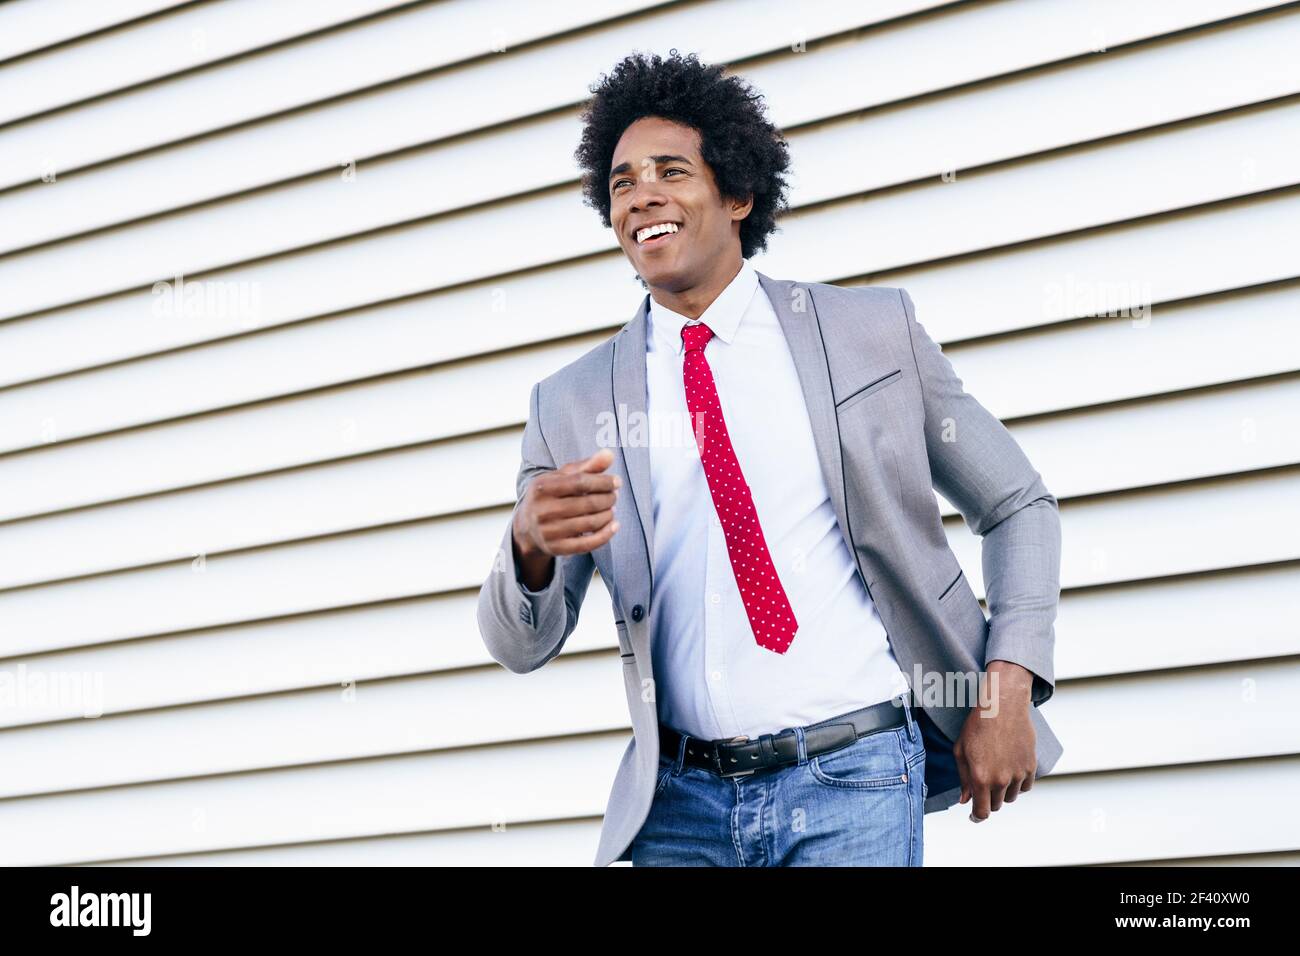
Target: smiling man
(808,672)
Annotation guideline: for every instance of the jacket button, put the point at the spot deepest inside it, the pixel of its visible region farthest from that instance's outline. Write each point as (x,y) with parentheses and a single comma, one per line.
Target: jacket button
(638,612)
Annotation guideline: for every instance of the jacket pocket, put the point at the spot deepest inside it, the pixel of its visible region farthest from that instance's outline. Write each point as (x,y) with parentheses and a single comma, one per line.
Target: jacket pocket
(951,589)
(869,389)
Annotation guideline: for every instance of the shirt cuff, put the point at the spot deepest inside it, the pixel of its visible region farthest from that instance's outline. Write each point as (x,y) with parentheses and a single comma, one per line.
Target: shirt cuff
(534,604)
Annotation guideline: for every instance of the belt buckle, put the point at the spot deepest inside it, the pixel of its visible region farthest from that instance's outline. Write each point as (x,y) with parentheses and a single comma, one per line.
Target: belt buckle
(717,758)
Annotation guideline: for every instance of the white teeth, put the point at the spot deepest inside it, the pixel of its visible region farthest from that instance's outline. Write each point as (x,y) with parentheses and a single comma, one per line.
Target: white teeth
(649,232)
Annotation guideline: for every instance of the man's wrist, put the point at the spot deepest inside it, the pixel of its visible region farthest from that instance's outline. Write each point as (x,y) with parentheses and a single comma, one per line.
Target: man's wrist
(535,570)
(1009,681)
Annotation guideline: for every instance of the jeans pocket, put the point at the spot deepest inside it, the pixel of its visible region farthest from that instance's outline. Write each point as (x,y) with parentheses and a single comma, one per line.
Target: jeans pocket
(876,760)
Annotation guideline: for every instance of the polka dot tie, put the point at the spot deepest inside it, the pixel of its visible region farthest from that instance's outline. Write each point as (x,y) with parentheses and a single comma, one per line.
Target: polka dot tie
(770,615)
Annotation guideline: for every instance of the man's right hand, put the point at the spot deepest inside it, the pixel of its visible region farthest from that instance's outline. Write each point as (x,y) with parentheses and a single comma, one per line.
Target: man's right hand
(566,511)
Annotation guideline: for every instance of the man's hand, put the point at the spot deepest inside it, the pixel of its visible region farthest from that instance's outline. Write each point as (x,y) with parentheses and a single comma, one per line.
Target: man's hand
(996,749)
(566,511)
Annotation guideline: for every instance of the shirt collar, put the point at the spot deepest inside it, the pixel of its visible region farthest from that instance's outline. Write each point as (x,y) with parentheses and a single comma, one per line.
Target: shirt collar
(722,316)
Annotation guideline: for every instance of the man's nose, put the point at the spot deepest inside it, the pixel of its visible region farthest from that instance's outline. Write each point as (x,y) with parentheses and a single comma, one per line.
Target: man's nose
(646,194)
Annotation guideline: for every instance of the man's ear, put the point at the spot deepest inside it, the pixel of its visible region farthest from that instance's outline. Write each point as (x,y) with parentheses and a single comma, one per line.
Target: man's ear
(739,210)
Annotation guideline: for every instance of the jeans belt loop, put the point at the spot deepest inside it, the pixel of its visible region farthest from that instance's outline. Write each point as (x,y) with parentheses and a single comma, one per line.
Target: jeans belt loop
(911,717)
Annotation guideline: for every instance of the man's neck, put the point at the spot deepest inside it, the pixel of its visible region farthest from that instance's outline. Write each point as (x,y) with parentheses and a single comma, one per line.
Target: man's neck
(693,302)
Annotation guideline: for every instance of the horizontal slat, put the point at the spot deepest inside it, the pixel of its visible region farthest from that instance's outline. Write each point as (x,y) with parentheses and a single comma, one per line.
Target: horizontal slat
(1121,537)
(1263,858)
(460,709)
(1218,339)
(450,97)
(454,323)
(996,211)
(29,25)
(901,226)
(319,426)
(1156,260)
(570,843)
(448,790)
(160,46)
(1161,260)
(965,43)
(1125,90)
(1218,713)
(353,493)
(1132,815)
(1170,169)
(412,637)
(1118,814)
(1191,621)
(1092,98)
(1151,625)
(403,561)
(1215,432)
(562,843)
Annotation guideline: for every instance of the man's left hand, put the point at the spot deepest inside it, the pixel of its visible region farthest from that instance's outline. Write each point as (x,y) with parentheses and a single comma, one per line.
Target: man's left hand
(995,751)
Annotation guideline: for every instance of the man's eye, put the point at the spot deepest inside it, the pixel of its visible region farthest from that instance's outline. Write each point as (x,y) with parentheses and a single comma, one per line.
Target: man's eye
(666,172)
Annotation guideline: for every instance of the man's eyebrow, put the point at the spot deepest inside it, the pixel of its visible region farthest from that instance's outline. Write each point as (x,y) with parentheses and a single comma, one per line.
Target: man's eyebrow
(659,160)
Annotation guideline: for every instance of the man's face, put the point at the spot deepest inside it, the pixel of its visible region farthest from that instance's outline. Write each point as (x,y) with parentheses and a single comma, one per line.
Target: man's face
(657,175)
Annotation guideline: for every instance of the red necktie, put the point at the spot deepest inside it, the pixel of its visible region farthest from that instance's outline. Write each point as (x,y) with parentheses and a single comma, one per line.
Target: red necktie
(765,601)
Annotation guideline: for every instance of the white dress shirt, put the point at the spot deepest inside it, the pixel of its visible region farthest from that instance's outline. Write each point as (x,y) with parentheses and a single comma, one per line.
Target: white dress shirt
(713,679)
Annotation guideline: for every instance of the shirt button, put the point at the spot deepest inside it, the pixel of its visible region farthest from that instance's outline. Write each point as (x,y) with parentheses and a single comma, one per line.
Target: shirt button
(716,675)
(715,597)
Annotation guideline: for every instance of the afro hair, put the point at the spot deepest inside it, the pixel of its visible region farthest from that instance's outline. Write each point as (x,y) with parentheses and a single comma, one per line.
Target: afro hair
(746,153)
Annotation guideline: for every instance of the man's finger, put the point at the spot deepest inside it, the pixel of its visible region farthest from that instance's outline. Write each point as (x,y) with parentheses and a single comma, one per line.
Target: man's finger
(1013,791)
(581,544)
(587,475)
(596,463)
(996,797)
(980,804)
(589,522)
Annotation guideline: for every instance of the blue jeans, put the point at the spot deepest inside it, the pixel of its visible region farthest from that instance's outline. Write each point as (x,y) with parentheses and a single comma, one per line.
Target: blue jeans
(860,805)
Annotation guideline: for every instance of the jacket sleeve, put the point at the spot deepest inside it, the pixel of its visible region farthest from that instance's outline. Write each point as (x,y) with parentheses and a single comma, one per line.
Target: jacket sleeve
(522,628)
(977,465)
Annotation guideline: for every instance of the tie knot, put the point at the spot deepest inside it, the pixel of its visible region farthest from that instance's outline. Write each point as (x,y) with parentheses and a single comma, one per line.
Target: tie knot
(696,336)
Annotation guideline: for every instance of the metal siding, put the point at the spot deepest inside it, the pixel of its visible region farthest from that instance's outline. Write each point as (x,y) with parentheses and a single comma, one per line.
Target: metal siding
(265,534)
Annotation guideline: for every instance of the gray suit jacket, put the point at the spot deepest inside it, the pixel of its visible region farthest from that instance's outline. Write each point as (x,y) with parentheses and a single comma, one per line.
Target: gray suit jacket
(890,421)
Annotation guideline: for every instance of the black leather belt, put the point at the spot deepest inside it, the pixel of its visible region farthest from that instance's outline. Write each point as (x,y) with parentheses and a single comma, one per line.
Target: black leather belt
(740,756)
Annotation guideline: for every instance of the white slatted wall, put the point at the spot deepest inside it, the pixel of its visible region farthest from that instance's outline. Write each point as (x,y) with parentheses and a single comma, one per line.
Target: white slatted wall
(257,527)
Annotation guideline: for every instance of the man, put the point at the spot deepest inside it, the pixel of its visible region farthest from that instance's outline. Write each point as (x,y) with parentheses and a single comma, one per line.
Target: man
(807,670)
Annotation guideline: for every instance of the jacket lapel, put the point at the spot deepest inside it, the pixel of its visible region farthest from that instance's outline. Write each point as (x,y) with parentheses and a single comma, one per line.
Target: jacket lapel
(634,563)
(797,314)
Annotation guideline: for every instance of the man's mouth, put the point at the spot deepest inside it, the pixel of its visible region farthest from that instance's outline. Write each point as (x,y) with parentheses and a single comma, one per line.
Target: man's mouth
(657,235)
